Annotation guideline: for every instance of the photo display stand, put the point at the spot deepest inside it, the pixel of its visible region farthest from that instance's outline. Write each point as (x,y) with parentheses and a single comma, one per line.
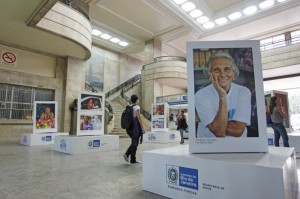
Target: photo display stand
(214,164)
(44,125)
(294,138)
(159,125)
(90,128)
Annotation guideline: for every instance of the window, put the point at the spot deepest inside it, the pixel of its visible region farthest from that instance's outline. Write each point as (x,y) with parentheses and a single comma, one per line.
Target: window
(295,36)
(16,102)
(272,42)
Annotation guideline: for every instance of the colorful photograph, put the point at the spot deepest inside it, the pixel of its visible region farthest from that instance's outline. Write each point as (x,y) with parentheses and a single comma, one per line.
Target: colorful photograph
(93,122)
(45,117)
(89,102)
(158,123)
(158,109)
(224,78)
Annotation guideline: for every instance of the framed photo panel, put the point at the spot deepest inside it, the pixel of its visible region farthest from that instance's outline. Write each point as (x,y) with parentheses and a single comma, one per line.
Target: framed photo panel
(45,116)
(160,117)
(226,97)
(90,113)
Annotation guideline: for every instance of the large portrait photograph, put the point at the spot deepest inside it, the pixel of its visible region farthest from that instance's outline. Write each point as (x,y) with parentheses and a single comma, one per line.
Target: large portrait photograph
(224,79)
(45,119)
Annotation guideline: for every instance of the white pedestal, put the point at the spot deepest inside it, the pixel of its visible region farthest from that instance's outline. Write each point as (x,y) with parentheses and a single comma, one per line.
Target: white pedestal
(86,144)
(175,173)
(35,139)
(162,136)
(294,141)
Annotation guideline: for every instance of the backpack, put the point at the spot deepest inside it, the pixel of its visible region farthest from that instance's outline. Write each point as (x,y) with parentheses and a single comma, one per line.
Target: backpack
(127,118)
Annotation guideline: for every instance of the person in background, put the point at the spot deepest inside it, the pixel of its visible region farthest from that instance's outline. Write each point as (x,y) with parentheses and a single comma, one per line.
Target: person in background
(277,117)
(138,131)
(182,125)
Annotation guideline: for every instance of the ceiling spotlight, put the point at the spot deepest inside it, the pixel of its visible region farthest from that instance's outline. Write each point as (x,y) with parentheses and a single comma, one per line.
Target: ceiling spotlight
(266,4)
(250,10)
(202,19)
(188,6)
(234,15)
(196,13)
(208,25)
(115,40)
(221,20)
(179,1)
(96,32)
(105,36)
(123,43)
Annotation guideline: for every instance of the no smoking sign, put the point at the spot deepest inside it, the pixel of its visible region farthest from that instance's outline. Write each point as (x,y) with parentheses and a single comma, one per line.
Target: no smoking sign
(8,58)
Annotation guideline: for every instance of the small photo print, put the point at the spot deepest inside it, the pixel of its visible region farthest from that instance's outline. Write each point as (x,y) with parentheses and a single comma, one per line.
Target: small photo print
(158,109)
(90,102)
(90,122)
(158,123)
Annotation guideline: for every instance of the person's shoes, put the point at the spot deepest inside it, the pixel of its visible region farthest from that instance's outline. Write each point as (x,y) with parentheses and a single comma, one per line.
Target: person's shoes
(135,162)
(181,142)
(125,157)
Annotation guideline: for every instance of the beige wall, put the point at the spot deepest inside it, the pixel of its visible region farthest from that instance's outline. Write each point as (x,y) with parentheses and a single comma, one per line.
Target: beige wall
(33,70)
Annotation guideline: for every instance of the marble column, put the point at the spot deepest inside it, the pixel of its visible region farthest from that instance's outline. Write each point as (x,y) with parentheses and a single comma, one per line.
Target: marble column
(75,82)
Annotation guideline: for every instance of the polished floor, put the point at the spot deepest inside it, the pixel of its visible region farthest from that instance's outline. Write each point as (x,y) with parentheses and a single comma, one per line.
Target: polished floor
(39,173)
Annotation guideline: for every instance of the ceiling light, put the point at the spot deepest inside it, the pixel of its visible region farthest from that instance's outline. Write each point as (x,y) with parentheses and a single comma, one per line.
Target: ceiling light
(115,40)
(250,10)
(196,13)
(123,43)
(221,20)
(202,19)
(188,6)
(208,25)
(96,32)
(234,15)
(281,1)
(105,36)
(179,1)
(266,4)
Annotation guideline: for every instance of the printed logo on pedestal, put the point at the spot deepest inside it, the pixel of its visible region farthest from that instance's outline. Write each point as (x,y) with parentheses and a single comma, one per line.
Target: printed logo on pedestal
(172,174)
(94,144)
(47,138)
(172,136)
(270,141)
(151,137)
(63,144)
(182,176)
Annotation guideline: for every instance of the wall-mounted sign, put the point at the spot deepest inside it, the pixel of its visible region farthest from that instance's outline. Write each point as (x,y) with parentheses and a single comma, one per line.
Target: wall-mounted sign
(8,58)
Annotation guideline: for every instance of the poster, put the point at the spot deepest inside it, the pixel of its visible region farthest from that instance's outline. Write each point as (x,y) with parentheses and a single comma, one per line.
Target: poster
(90,115)
(45,117)
(160,117)
(226,98)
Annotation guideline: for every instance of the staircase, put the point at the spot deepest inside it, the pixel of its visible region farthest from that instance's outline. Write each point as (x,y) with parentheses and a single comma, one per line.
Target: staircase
(118,109)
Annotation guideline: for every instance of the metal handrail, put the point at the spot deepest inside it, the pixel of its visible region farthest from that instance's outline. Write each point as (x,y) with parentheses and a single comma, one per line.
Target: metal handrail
(73,4)
(280,43)
(129,82)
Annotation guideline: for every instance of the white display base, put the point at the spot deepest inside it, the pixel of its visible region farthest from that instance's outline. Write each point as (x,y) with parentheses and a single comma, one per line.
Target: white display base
(161,136)
(36,139)
(86,144)
(294,141)
(179,174)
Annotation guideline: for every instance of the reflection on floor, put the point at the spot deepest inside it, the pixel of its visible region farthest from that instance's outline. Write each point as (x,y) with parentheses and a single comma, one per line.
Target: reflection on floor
(39,172)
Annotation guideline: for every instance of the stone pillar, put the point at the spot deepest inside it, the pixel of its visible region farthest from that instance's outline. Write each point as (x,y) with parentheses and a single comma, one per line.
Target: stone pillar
(153,49)
(75,82)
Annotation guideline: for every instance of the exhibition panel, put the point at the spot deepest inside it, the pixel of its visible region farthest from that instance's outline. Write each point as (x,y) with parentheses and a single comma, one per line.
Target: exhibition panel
(35,139)
(226,104)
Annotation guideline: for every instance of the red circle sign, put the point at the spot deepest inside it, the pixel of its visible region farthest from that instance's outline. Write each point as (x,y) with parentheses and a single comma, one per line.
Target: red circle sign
(9,58)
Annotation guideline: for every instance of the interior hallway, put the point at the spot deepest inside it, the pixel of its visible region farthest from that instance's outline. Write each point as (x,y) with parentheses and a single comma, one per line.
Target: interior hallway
(39,172)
